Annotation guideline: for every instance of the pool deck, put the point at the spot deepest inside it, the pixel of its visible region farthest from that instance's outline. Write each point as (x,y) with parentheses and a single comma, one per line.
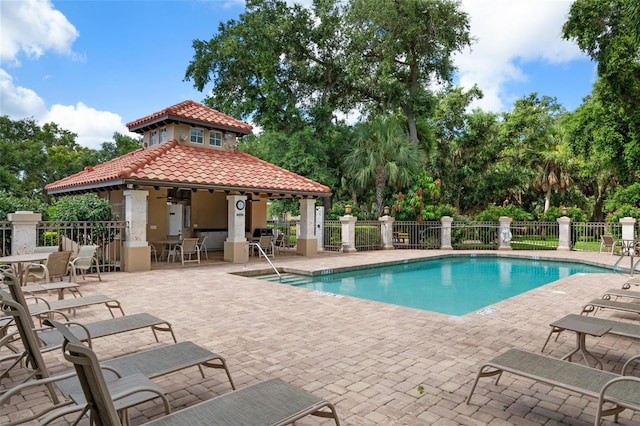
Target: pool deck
(368,358)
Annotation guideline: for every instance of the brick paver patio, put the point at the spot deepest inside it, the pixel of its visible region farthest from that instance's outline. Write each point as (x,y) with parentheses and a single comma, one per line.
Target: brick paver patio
(368,358)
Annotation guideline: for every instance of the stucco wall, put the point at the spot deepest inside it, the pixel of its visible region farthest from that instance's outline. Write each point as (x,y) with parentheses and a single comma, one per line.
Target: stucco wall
(208,211)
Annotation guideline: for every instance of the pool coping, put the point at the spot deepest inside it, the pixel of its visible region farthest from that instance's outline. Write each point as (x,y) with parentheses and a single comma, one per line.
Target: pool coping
(473,254)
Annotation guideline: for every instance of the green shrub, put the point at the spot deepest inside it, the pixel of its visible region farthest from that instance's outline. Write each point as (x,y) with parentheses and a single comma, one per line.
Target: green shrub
(367,235)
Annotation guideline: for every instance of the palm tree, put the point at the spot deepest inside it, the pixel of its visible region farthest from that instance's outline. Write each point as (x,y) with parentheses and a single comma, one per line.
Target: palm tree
(381,155)
(553,170)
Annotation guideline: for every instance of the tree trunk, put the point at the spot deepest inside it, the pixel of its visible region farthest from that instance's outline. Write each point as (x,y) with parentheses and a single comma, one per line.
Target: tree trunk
(547,199)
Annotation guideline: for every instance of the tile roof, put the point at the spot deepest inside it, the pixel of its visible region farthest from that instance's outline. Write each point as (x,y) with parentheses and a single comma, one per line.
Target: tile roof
(193,112)
(189,166)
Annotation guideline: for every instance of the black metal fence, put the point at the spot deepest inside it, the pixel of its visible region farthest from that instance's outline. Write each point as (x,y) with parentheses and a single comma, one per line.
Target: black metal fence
(524,235)
(417,235)
(368,235)
(332,235)
(5,236)
(108,236)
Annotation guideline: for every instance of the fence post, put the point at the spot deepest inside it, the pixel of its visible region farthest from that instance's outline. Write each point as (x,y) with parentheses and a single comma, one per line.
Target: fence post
(628,235)
(628,225)
(564,233)
(386,231)
(348,233)
(504,236)
(24,233)
(445,233)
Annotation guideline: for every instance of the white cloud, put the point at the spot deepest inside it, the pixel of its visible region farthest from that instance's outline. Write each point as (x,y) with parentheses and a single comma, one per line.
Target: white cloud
(92,126)
(18,102)
(33,27)
(508,32)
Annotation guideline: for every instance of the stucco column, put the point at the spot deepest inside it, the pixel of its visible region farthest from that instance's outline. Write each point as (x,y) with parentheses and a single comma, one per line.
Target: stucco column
(136,254)
(307,244)
(504,236)
(564,233)
(235,246)
(445,233)
(386,231)
(24,231)
(348,233)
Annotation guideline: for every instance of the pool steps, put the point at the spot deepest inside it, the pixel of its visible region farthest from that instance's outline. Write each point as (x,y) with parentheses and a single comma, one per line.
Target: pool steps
(286,278)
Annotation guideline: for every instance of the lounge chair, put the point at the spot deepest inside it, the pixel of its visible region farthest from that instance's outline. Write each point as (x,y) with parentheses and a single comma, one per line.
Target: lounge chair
(621,390)
(121,388)
(632,281)
(83,262)
(272,402)
(150,363)
(595,304)
(95,329)
(47,307)
(609,243)
(613,292)
(109,327)
(59,287)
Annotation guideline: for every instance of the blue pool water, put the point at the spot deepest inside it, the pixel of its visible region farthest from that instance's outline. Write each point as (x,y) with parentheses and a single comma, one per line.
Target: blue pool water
(452,285)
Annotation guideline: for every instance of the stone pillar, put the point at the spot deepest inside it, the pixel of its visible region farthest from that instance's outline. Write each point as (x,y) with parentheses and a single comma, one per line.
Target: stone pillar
(136,255)
(628,235)
(564,233)
(24,231)
(445,233)
(504,234)
(236,243)
(386,231)
(307,244)
(348,233)
(628,225)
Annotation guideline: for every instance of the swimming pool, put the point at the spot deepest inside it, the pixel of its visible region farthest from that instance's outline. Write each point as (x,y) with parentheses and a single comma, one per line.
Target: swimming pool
(452,285)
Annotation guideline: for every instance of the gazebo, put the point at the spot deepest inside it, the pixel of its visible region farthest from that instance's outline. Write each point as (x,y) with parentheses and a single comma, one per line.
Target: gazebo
(188,178)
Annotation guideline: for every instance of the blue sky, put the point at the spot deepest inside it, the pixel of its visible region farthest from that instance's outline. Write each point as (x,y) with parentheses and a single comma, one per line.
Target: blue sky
(92,66)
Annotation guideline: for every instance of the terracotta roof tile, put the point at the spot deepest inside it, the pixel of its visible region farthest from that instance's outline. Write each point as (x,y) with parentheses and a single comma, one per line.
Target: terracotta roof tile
(176,163)
(192,111)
